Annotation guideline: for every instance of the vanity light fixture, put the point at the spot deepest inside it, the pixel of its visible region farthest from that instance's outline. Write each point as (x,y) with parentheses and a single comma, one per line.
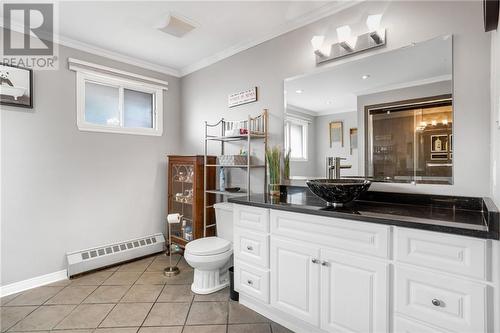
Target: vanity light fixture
(346,41)
(317,43)
(349,44)
(373,24)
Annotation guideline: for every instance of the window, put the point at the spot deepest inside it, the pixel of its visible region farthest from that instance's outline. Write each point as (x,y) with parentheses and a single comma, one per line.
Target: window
(296,139)
(110,103)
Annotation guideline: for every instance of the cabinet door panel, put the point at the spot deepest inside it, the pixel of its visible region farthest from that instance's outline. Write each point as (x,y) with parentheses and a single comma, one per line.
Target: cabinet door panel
(295,279)
(354,293)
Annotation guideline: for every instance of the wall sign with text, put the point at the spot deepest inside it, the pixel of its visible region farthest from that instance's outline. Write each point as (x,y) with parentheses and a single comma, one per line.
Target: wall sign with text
(243,97)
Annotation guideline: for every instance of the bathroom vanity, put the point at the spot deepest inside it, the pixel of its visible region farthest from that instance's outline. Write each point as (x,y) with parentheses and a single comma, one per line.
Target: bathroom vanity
(385,263)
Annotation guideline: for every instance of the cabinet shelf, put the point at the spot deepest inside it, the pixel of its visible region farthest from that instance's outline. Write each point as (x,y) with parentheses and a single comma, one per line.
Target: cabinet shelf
(236,166)
(227,193)
(235,137)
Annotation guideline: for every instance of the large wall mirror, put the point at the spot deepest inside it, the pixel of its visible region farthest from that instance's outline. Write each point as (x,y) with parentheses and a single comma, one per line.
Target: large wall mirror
(389,117)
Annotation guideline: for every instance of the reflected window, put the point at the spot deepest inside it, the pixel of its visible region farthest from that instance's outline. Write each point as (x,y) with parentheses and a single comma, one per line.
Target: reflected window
(411,141)
(296,139)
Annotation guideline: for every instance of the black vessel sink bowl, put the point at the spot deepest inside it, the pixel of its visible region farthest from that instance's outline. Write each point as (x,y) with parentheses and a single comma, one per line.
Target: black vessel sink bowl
(338,192)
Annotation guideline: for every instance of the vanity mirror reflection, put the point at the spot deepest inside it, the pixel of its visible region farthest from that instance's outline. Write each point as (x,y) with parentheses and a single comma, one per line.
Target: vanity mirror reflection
(388,116)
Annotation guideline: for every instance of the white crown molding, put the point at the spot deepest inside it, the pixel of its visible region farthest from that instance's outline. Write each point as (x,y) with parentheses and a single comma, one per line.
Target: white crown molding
(292,108)
(78,45)
(37,281)
(72,43)
(313,16)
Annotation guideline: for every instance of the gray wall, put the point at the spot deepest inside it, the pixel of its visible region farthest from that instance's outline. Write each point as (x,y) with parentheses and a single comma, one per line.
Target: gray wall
(495,114)
(65,190)
(322,138)
(204,93)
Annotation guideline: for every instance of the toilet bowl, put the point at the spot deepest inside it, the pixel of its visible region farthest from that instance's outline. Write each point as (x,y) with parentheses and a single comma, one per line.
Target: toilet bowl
(211,257)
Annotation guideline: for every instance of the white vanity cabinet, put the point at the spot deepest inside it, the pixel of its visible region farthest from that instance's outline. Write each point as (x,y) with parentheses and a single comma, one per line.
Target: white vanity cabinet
(322,274)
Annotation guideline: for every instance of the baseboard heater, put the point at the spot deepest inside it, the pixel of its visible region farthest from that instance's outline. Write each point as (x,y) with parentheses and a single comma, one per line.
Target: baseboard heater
(110,254)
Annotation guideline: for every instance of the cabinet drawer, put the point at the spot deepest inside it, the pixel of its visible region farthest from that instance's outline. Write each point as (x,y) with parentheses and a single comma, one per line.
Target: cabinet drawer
(251,281)
(451,303)
(252,217)
(361,237)
(454,254)
(251,247)
(403,325)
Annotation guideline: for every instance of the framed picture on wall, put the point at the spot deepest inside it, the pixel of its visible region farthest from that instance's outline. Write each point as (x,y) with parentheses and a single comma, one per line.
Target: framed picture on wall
(16,86)
(336,133)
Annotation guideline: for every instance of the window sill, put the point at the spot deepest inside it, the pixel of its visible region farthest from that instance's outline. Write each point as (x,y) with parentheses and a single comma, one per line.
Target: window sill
(120,130)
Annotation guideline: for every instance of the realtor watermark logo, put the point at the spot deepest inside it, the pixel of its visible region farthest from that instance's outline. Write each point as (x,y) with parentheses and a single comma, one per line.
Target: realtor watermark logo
(28,35)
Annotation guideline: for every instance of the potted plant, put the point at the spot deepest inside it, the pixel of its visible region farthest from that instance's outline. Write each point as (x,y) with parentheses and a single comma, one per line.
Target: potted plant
(273,157)
(286,165)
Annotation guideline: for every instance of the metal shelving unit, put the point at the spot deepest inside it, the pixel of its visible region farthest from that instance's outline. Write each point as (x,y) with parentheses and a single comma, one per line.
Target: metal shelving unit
(256,129)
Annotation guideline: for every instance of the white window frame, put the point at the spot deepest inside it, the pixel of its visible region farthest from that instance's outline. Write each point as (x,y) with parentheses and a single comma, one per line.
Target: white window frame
(304,124)
(84,76)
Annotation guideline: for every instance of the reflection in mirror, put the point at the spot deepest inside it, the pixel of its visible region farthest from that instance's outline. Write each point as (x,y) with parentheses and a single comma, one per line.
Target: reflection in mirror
(388,117)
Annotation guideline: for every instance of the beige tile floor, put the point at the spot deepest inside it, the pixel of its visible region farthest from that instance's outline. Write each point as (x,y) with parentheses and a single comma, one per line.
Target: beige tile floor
(131,298)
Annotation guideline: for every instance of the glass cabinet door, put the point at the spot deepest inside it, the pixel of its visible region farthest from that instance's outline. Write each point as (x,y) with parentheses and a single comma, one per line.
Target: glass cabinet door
(182,200)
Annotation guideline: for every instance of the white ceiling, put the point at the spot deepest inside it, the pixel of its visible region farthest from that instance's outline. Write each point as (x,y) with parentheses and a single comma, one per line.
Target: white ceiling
(336,89)
(127,30)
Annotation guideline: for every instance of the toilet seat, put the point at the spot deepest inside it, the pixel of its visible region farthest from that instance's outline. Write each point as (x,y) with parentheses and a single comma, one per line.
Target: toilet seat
(208,246)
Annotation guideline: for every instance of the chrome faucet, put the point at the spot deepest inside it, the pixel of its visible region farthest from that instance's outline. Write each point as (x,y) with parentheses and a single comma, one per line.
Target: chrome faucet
(333,164)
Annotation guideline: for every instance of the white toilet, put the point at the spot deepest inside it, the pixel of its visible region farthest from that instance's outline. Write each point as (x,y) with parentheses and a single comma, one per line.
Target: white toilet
(211,257)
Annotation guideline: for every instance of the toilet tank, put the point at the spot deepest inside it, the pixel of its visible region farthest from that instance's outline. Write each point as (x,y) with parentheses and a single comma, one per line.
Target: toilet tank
(224,220)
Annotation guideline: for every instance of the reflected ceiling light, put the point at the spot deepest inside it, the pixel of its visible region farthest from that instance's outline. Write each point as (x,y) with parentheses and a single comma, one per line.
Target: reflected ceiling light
(434,122)
(317,44)
(347,42)
(299,91)
(366,76)
(445,121)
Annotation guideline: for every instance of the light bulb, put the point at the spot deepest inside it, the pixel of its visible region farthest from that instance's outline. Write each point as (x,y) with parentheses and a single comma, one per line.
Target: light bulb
(346,41)
(373,22)
(317,42)
(344,33)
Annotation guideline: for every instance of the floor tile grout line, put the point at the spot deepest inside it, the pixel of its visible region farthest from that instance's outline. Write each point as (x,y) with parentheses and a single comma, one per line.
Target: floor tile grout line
(114,306)
(76,306)
(187,314)
(37,306)
(10,327)
(151,308)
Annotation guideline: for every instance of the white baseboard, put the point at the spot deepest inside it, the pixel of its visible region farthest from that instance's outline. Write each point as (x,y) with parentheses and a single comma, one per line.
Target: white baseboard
(38,281)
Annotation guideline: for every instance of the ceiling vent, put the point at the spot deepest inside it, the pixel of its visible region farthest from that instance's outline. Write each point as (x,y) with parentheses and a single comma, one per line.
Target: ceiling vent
(177,25)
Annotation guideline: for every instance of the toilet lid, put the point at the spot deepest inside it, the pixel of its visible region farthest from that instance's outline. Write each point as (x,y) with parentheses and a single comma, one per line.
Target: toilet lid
(208,246)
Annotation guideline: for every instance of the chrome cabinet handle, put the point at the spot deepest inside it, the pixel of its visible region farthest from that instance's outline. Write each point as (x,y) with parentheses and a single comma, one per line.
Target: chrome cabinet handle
(436,302)
(315,261)
(249,248)
(250,282)
(325,263)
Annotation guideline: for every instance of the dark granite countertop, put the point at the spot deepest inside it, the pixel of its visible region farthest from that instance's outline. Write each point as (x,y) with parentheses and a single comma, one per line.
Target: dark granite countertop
(468,216)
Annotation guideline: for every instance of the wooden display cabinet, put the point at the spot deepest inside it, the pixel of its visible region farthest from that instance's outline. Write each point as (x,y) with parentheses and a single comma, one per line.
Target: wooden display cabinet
(185,195)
